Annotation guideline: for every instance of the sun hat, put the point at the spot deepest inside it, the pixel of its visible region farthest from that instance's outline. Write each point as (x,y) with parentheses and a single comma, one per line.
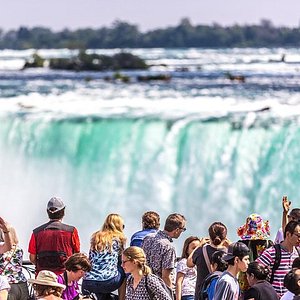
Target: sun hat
(255,228)
(237,249)
(46,278)
(55,204)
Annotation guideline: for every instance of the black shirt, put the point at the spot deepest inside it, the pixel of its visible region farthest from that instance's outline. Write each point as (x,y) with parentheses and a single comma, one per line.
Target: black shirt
(262,290)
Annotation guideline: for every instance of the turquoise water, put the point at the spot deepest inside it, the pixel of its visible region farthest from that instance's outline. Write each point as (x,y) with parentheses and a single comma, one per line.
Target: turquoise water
(200,145)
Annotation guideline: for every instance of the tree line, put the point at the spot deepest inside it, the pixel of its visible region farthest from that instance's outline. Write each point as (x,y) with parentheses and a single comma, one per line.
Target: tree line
(125,35)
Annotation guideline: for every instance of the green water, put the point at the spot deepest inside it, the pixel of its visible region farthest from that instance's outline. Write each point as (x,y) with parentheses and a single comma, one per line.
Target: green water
(205,170)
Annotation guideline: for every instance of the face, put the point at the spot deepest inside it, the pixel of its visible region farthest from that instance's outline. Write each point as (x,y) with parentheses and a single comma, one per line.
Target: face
(77,275)
(243,263)
(295,237)
(250,279)
(178,231)
(128,265)
(193,245)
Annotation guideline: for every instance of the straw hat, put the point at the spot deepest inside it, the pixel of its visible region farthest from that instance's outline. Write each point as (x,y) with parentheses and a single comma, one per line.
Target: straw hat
(47,278)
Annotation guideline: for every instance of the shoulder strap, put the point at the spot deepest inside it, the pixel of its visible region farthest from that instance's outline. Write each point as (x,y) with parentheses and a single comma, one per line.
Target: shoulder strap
(298,251)
(276,262)
(207,261)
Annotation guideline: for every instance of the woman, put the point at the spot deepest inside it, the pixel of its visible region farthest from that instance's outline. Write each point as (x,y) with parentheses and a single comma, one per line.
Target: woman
(46,286)
(201,257)
(260,289)
(107,274)
(76,266)
(141,284)
(11,268)
(185,276)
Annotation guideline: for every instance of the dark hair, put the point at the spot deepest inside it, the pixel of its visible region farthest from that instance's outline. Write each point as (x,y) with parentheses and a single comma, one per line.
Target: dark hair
(290,227)
(291,281)
(78,261)
(186,244)
(260,272)
(174,221)
(217,258)
(217,232)
(151,220)
(295,214)
(57,215)
(296,263)
(239,250)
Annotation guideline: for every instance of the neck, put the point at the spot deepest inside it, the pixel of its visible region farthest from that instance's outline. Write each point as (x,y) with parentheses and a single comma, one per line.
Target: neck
(233,270)
(287,246)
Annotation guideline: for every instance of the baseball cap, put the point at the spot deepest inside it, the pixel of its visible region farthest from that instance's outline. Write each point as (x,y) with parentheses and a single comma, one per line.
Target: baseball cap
(55,204)
(238,249)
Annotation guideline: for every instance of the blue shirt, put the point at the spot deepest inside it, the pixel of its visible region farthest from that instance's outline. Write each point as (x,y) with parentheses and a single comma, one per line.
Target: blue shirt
(137,238)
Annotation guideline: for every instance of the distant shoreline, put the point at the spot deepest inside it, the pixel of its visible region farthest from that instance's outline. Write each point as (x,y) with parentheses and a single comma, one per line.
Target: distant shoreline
(126,35)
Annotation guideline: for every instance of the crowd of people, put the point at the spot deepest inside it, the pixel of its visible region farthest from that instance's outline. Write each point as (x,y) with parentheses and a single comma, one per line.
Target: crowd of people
(213,267)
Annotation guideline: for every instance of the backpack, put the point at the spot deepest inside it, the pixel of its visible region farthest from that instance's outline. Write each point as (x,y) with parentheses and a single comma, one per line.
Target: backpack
(277,261)
(203,294)
(151,293)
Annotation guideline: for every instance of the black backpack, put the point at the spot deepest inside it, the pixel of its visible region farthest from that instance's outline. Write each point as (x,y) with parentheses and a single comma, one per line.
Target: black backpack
(203,294)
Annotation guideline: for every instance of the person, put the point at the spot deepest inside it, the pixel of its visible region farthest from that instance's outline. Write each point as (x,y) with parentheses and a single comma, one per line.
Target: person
(260,289)
(46,286)
(107,274)
(4,288)
(160,253)
(11,267)
(185,276)
(201,256)
(218,266)
(227,286)
(53,242)
(289,295)
(141,283)
(76,266)
(6,245)
(287,251)
(255,234)
(294,215)
(150,224)
(292,282)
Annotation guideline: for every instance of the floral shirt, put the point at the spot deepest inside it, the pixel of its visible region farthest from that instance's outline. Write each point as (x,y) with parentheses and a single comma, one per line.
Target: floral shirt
(104,263)
(189,279)
(141,292)
(11,265)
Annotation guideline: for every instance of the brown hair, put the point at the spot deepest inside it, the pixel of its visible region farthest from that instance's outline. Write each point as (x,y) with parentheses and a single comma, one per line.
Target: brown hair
(217,232)
(174,221)
(137,255)
(46,290)
(57,215)
(151,220)
(186,245)
(78,261)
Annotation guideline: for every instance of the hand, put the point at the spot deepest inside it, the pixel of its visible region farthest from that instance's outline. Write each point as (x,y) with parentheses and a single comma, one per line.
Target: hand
(3,225)
(286,204)
(226,243)
(204,241)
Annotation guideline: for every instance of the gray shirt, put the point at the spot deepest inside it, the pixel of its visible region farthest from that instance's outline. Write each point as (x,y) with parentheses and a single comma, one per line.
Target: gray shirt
(227,287)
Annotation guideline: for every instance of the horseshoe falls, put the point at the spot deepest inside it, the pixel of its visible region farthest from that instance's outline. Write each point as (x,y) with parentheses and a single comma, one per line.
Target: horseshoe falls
(199,144)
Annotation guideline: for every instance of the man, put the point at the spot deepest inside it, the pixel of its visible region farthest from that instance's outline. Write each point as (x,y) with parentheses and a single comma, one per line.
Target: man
(150,224)
(288,253)
(292,283)
(160,253)
(294,215)
(52,243)
(227,286)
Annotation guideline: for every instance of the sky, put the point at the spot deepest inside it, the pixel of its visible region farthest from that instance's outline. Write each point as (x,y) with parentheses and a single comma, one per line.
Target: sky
(147,14)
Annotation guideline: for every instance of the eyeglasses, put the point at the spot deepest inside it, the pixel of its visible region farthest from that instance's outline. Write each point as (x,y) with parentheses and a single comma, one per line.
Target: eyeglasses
(125,261)
(182,228)
(123,226)
(297,234)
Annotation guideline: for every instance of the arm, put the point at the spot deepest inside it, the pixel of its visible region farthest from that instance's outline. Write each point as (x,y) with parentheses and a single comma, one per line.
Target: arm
(3,294)
(166,277)
(179,280)
(285,210)
(75,241)
(189,261)
(32,258)
(6,246)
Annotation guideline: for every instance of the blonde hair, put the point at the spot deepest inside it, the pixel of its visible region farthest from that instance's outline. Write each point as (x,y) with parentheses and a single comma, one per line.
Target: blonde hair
(46,290)
(112,229)
(137,255)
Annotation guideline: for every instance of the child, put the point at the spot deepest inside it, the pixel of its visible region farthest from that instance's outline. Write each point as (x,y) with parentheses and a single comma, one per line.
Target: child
(186,277)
